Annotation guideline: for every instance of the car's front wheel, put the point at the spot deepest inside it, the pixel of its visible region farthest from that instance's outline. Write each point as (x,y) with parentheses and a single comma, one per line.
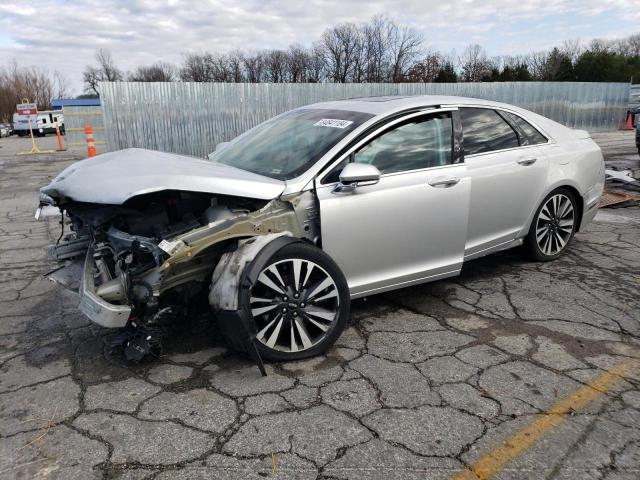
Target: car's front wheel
(299,303)
(553,226)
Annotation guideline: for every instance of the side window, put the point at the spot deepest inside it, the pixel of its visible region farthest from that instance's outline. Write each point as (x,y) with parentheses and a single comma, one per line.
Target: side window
(483,130)
(416,144)
(530,135)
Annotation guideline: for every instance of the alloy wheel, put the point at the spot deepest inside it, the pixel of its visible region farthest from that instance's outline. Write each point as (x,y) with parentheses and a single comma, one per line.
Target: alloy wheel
(555,224)
(295,304)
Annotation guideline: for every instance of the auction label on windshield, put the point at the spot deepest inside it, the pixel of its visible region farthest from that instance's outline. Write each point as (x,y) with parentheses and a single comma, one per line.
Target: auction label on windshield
(332,122)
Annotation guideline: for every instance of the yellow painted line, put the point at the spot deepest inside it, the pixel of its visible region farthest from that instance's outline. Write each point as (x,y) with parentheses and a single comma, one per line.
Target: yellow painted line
(494,461)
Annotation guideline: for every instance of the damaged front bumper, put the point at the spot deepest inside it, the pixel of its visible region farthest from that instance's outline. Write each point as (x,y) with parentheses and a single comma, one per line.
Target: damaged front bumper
(97,309)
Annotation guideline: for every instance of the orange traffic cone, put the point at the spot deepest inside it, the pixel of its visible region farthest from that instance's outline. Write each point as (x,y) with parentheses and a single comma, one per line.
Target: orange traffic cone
(91,146)
(60,145)
(629,123)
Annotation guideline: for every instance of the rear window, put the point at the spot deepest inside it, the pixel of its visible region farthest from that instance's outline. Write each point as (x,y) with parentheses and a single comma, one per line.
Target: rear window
(485,131)
(528,134)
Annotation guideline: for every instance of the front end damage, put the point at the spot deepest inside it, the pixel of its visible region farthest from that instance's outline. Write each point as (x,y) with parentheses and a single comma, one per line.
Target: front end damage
(144,265)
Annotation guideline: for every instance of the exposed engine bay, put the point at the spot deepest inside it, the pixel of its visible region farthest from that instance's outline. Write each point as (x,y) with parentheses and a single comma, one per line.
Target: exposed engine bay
(144,264)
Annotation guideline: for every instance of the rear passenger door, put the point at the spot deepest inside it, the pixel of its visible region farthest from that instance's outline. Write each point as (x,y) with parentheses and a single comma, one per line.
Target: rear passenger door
(507,174)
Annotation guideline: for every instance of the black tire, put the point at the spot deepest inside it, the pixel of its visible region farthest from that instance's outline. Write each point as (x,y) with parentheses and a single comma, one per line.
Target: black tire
(557,229)
(306,253)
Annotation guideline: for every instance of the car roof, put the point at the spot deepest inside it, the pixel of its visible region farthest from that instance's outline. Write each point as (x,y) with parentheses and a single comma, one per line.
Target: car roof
(383,106)
(387,104)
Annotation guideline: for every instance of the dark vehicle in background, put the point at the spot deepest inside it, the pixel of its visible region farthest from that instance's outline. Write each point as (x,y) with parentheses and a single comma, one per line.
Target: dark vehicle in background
(6,130)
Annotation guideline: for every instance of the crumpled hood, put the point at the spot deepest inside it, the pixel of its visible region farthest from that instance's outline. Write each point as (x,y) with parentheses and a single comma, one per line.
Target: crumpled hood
(113,178)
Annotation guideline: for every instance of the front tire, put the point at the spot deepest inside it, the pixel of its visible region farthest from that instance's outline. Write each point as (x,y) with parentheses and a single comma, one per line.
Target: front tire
(299,303)
(553,227)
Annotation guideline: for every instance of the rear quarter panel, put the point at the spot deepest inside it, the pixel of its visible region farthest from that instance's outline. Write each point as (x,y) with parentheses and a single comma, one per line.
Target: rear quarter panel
(577,163)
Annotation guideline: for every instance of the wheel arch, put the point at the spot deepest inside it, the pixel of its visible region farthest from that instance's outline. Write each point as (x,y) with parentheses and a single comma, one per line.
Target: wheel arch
(573,188)
(579,202)
(240,268)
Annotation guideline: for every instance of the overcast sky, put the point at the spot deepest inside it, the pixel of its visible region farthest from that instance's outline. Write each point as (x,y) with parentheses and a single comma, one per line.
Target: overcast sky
(64,35)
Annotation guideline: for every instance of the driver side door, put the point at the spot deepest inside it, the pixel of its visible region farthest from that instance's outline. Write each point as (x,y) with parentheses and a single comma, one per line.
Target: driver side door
(411,226)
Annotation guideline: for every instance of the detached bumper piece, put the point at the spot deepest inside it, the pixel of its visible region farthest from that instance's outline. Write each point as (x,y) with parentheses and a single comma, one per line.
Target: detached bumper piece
(98,310)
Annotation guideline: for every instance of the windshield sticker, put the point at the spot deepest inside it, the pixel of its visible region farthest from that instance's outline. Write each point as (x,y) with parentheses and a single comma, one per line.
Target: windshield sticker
(332,122)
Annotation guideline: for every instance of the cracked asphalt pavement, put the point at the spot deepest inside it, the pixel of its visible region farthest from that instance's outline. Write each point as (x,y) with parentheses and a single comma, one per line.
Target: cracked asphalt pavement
(426,383)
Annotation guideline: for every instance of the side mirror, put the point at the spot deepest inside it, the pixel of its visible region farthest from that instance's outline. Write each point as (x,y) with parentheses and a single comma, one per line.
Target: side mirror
(354,174)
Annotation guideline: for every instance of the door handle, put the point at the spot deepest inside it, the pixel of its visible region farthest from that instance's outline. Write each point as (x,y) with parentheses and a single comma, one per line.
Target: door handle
(443,182)
(525,162)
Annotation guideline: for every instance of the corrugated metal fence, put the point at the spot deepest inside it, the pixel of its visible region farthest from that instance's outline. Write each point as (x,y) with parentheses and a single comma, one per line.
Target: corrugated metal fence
(191,118)
(75,118)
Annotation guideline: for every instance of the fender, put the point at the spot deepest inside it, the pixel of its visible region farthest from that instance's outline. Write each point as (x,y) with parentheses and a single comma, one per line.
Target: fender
(236,273)
(241,267)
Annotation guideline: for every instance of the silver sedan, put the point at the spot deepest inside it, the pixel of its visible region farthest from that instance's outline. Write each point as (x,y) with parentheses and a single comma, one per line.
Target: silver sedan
(287,223)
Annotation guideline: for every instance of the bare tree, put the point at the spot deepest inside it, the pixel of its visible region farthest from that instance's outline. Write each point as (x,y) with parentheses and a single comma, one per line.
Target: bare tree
(197,68)
(60,85)
(425,70)
(235,62)
(158,72)
(474,63)
(276,66)
(630,46)
(572,49)
(633,43)
(341,48)
(404,46)
(375,49)
(382,50)
(598,45)
(105,71)
(298,58)
(253,66)
(536,63)
(31,83)
(316,66)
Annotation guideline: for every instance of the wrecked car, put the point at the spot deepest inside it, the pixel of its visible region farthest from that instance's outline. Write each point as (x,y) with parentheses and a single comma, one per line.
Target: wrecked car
(279,229)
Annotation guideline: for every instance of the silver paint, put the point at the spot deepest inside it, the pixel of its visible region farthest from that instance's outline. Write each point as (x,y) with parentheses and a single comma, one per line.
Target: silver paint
(405,228)
(113,178)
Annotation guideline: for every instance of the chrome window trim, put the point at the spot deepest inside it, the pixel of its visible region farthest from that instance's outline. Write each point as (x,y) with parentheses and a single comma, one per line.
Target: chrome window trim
(480,154)
(427,111)
(419,170)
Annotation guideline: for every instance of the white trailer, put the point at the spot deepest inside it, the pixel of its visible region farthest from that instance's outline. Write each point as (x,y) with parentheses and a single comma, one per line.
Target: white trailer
(45,122)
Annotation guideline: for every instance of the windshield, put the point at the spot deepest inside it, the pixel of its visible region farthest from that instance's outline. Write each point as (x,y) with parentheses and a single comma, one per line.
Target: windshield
(289,144)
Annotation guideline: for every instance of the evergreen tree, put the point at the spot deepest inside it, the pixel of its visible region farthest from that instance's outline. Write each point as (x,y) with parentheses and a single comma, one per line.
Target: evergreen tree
(446,74)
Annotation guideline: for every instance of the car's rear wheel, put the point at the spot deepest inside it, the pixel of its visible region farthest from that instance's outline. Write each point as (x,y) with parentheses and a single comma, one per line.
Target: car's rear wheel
(553,226)
(299,303)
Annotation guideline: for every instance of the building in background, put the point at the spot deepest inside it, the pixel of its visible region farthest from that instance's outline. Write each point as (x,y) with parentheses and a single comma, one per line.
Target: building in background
(59,103)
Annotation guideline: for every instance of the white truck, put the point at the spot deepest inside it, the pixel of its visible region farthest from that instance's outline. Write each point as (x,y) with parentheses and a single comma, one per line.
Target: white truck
(45,122)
